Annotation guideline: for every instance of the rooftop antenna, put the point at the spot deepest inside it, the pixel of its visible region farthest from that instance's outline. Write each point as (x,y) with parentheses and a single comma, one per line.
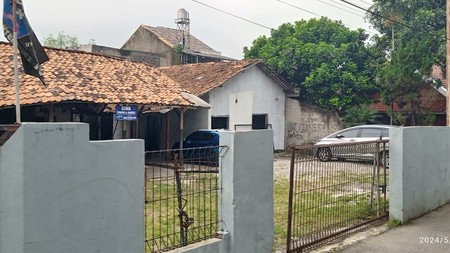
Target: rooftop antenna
(182,22)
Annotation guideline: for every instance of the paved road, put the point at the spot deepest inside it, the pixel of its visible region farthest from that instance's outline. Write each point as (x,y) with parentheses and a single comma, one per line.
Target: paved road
(428,234)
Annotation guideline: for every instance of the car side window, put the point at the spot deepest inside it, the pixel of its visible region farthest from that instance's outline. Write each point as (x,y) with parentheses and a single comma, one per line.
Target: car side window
(206,137)
(371,132)
(196,136)
(348,134)
(209,137)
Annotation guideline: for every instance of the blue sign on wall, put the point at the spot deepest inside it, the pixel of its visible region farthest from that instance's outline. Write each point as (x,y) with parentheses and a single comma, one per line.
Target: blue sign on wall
(126,113)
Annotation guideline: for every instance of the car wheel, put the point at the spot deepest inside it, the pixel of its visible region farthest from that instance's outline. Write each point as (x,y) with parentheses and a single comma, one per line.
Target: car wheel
(324,154)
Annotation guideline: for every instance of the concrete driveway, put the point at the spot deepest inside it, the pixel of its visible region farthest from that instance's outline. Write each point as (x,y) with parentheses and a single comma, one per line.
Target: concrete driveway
(429,234)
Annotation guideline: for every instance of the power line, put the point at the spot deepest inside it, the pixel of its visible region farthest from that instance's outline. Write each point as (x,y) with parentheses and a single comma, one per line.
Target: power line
(365,2)
(327,3)
(297,7)
(376,14)
(261,25)
(233,15)
(390,19)
(344,5)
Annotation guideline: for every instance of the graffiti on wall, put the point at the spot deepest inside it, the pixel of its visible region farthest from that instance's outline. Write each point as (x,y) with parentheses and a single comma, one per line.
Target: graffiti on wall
(305,124)
(308,131)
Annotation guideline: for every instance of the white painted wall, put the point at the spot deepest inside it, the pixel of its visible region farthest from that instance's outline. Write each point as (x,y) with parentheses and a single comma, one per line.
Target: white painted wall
(419,177)
(251,92)
(59,192)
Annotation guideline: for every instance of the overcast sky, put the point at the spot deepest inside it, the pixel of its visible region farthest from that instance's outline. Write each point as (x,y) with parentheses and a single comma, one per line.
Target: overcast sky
(111,22)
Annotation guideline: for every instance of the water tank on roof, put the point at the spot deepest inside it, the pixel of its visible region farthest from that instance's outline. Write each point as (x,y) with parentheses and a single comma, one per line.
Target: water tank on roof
(182,17)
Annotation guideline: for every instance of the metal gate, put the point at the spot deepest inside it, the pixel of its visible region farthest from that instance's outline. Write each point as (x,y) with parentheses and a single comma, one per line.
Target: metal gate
(329,199)
(181,197)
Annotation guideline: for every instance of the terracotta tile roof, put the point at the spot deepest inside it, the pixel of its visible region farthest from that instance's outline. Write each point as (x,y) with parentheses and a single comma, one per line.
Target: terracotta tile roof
(200,78)
(430,100)
(171,37)
(87,77)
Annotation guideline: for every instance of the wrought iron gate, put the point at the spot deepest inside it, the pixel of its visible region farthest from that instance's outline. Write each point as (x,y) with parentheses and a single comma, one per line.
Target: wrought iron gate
(330,199)
(181,199)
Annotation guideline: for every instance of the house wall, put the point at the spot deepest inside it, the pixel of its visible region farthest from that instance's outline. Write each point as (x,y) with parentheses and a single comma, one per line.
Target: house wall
(144,40)
(152,59)
(305,124)
(419,174)
(251,92)
(59,192)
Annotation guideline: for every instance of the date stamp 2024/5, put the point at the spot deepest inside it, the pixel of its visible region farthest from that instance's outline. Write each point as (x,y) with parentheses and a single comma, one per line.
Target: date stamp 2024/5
(434,240)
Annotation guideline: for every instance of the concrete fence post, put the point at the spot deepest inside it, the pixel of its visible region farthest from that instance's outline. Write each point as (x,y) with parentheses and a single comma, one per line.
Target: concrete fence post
(246,199)
(419,173)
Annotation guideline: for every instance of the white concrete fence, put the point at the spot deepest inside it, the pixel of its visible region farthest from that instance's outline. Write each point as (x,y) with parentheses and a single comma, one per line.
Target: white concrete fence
(419,171)
(60,192)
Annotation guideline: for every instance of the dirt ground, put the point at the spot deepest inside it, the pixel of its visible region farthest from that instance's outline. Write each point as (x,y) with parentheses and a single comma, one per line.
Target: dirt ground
(281,165)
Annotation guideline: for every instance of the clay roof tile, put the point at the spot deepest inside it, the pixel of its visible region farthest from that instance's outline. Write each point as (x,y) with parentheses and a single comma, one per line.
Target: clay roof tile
(79,76)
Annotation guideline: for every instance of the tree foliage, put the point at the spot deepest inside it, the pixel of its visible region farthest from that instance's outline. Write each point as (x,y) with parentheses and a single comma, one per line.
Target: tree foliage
(417,42)
(328,62)
(61,40)
(360,115)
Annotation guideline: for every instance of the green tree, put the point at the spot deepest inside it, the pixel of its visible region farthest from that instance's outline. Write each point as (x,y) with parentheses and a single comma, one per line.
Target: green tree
(61,40)
(417,42)
(360,115)
(401,78)
(415,19)
(330,63)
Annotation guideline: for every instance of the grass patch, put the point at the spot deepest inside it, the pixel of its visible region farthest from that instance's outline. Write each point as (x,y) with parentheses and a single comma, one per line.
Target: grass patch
(343,200)
(394,223)
(199,201)
(281,208)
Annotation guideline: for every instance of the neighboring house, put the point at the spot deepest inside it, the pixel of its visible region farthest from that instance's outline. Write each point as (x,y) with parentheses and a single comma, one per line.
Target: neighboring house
(166,41)
(243,95)
(152,59)
(85,87)
(432,99)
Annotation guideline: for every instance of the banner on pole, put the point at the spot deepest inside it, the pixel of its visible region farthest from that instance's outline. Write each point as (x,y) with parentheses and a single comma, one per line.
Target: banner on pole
(31,51)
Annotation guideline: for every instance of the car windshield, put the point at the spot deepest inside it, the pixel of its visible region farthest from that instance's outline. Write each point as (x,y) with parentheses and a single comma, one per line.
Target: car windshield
(361,132)
(347,134)
(200,136)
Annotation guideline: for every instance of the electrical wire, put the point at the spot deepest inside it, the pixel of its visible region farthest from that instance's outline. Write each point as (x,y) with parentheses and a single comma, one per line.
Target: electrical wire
(297,7)
(365,2)
(376,14)
(302,9)
(233,15)
(261,25)
(340,8)
(390,19)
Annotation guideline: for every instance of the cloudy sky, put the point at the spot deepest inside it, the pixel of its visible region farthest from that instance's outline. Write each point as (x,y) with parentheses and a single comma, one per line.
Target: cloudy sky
(111,22)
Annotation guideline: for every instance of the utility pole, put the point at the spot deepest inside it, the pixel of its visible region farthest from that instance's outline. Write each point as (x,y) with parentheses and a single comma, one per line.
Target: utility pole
(447,62)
